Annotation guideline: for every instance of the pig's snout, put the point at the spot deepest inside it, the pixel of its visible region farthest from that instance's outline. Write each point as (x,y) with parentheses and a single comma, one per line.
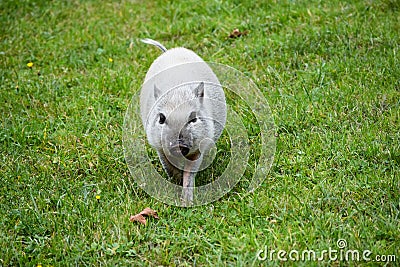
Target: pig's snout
(178,148)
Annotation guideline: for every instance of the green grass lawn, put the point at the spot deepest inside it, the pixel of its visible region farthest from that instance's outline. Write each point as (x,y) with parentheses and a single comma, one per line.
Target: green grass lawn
(330,71)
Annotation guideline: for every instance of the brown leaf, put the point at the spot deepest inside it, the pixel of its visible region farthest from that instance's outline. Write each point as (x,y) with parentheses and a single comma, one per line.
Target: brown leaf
(236,33)
(149,212)
(140,217)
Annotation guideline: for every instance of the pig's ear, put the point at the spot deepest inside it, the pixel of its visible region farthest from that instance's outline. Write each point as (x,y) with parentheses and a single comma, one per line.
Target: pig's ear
(199,90)
(157,92)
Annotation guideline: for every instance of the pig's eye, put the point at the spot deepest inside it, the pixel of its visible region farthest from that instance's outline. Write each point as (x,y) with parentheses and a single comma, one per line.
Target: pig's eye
(162,118)
(192,117)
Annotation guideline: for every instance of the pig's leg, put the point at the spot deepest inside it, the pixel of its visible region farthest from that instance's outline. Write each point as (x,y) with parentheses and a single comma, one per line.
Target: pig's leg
(189,174)
(172,171)
(188,184)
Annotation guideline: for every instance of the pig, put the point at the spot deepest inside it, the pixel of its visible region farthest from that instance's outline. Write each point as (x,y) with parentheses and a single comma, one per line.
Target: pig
(183,111)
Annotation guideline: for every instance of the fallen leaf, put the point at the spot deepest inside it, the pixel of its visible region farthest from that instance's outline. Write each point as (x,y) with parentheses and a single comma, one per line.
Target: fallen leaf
(150,212)
(236,33)
(140,217)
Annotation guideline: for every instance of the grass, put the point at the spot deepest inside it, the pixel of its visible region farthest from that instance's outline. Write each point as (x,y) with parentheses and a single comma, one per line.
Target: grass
(329,69)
